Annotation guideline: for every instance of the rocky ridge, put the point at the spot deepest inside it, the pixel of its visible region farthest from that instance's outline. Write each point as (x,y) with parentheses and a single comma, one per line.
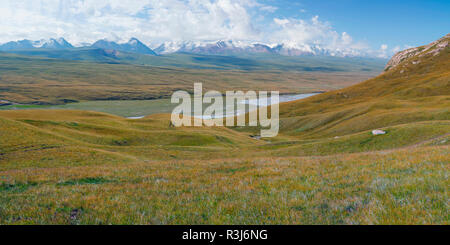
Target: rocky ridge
(433,48)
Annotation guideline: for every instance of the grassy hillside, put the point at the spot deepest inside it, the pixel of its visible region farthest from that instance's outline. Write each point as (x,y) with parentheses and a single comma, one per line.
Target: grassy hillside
(418,89)
(29,132)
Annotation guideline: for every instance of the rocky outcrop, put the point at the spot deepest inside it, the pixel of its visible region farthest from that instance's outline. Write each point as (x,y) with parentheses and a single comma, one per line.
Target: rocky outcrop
(433,48)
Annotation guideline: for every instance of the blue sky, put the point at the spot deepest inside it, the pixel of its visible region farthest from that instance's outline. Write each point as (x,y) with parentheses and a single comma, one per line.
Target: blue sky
(391,22)
(375,28)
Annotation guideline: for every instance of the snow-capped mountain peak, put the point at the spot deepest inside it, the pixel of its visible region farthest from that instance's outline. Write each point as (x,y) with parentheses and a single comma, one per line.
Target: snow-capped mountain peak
(207,47)
(214,47)
(231,47)
(52,43)
(133,41)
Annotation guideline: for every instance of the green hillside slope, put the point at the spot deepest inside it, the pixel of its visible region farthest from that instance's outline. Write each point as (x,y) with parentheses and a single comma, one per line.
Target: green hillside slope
(417,89)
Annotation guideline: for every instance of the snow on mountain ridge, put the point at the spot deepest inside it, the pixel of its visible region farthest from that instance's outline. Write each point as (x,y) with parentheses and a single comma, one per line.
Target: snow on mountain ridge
(52,43)
(231,46)
(207,47)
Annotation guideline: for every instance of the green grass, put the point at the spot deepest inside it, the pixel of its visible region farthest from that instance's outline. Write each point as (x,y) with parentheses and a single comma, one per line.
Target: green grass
(125,108)
(16,187)
(86,181)
(400,187)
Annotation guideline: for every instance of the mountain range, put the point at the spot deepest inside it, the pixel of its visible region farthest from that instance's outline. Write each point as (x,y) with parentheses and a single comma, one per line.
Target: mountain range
(132,46)
(51,43)
(233,47)
(201,47)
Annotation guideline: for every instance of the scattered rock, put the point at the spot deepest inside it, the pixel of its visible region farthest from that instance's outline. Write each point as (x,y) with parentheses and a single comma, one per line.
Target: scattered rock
(139,117)
(161,180)
(378,132)
(256,137)
(74,214)
(350,209)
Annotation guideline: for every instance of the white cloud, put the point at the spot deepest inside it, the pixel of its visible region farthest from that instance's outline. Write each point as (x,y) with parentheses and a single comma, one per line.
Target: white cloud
(382,53)
(150,20)
(156,21)
(314,34)
(281,22)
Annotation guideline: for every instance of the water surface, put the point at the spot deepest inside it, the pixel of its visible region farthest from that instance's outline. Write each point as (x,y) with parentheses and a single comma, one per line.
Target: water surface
(136,109)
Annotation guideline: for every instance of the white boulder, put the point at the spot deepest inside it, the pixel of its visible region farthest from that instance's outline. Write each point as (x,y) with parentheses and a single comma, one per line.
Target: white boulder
(378,132)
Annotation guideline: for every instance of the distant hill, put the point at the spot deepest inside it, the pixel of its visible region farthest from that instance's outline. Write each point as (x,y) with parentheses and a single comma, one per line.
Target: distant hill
(132,46)
(81,54)
(260,61)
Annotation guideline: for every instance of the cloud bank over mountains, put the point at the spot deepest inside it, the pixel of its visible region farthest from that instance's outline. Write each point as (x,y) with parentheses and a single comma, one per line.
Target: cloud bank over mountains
(174,21)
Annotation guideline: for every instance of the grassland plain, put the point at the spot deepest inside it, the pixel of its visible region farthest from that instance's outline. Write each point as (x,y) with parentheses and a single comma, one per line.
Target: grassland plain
(38,80)
(325,167)
(124,108)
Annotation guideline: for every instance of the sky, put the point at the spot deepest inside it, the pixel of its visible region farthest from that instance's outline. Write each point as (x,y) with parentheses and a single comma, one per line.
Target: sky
(376,28)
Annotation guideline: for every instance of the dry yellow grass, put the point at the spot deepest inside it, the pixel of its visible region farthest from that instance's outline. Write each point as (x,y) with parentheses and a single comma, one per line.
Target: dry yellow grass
(400,187)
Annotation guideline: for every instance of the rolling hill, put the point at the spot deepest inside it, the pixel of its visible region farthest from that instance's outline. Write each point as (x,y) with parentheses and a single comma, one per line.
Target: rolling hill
(325,167)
